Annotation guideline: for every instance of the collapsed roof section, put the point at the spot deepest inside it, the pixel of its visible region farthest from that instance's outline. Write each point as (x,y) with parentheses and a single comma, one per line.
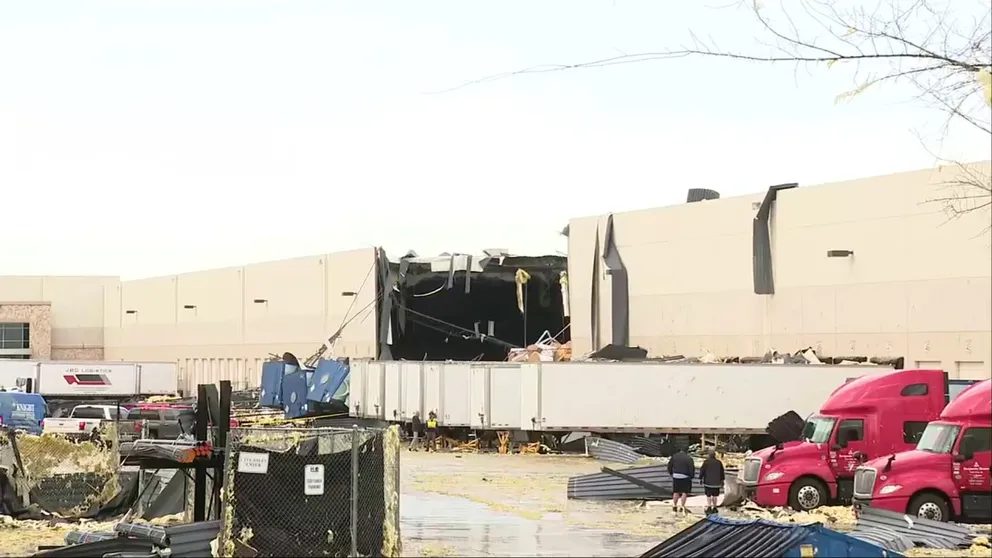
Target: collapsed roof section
(471,307)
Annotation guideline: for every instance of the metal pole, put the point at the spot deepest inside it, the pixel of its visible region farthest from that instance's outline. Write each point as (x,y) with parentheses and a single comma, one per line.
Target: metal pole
(524,297)
(396,517)
(354,490)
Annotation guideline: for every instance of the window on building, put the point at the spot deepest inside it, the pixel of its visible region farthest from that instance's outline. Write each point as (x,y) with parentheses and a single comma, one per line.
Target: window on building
(15,336)
(15,357)
(912,431)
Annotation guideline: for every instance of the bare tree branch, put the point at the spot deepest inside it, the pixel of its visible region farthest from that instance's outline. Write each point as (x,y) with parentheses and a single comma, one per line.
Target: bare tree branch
(947,59)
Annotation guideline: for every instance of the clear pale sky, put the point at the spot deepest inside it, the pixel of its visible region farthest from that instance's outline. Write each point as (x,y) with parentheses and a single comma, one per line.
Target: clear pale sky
(148,138)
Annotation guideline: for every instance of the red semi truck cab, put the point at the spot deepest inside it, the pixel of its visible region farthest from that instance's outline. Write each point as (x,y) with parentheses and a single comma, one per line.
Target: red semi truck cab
(868,416)
(947,475)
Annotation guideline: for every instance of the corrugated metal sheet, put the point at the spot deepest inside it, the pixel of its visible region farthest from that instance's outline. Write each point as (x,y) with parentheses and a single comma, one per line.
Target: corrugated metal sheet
(79,537)
(924,532)
(717,536)
(651,447)
(168,499)
(885,539)
(606,486)
(192,540)
(608,450)
(153,533)
(122,545)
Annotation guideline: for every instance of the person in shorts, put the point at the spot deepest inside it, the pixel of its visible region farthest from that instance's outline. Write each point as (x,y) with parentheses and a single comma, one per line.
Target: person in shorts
(712,475)
(682,469)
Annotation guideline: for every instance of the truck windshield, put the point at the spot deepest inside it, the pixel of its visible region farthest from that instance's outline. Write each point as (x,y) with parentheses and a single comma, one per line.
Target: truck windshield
(818,429)
(938,438)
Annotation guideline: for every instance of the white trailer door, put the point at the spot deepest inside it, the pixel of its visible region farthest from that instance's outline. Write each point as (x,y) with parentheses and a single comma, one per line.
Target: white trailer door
(394,390)
(505,396)
(479,396)
(433,389)
(374,391)
(356,376)
(158,378)
(413,382)
(457,395)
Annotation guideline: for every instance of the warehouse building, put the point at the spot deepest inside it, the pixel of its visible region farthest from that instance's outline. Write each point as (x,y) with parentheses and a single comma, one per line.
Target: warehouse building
(865,268)
(872,267)
(57,318)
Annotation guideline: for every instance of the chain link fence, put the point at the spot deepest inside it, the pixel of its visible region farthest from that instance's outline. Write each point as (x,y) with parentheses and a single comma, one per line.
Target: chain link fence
(71,477)
(311,492)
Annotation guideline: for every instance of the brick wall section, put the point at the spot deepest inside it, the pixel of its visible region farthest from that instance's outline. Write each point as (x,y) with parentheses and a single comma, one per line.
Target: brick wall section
(39,316)
(77,354)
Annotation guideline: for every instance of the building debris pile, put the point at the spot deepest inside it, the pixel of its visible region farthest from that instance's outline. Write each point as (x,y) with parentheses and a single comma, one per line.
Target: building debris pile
(52,475)
(617,353)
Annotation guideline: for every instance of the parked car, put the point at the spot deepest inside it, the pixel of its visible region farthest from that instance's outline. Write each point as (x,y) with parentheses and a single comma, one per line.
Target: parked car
(84,420)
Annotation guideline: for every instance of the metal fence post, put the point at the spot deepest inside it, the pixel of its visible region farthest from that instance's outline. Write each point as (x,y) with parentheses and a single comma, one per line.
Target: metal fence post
(396,472)
(354,490)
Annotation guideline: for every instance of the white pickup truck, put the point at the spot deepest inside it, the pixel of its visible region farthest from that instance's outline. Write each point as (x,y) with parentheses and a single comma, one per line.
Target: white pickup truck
(83,420)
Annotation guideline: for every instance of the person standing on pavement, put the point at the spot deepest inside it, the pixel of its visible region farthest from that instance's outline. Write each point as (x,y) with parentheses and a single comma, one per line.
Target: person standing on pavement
(712,475)
(432,431)
(682,469)
(417,426)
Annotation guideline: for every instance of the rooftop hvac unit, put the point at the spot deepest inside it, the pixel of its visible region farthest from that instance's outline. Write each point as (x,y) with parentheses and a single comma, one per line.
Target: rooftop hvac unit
(700,194)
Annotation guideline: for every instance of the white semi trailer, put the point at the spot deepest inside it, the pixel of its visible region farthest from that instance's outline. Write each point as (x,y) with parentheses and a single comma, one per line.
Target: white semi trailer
(63,384)
(641,398)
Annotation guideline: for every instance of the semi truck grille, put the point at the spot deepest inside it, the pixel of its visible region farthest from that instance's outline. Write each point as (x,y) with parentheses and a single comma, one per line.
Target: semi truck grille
(864,482)
(752,469)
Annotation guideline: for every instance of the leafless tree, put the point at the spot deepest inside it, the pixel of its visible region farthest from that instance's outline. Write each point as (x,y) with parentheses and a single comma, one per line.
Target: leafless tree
(946,56)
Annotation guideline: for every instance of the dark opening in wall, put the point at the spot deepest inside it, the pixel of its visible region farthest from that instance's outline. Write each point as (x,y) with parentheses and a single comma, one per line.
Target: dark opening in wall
(466,308)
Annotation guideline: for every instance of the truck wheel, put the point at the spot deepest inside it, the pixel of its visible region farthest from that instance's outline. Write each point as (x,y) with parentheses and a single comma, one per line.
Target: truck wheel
(807,494)
(930,506)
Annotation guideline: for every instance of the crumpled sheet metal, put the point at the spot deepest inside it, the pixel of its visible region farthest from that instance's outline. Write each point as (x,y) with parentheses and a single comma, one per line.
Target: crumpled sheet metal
(604,486)
(608,450)
(876,522)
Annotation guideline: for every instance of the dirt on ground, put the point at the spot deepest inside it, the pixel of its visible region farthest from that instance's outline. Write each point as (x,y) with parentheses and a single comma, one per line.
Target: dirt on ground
(22,538)
(529,487)
(534,486)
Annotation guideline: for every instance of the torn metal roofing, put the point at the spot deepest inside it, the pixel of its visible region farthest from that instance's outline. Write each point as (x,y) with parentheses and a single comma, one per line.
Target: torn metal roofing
(717,536)
(608,450)
(192,540)
(875,523)
(189,540)
(611,485)
(117,545)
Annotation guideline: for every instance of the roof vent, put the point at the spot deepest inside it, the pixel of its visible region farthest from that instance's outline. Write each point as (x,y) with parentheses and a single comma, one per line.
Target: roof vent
(700,194)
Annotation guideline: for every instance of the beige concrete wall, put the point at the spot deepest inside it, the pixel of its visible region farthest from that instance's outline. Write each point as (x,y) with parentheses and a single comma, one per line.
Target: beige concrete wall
(227,335)
(919,284)
(69,312)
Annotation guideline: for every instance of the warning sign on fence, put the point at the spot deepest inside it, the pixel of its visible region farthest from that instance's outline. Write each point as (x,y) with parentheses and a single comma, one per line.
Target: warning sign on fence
(257,463)
(313,480)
